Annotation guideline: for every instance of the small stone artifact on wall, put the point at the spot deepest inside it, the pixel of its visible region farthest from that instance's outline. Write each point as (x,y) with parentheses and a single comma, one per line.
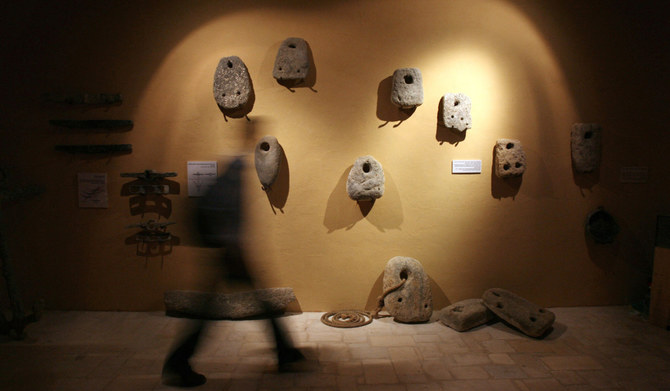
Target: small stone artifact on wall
(519,312)
(366,179)
(233,90)
(601,226)
(412,301)
(466,314)
(455,111)
(407,88)
(292,61)
(267,158)
(585,142)
(510,159)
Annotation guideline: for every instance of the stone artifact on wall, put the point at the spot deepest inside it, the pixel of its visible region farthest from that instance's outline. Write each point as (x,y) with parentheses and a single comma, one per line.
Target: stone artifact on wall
(585,143)
(366,179)
(233,90)
(407,88)
(519,312)
(412,301)
(601,226)
(292,61)
(510,159)
(267,158)
(455,111)
(466,314)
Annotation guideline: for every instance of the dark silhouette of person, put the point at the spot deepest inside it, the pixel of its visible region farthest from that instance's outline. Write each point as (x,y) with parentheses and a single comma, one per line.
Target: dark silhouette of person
(218,220)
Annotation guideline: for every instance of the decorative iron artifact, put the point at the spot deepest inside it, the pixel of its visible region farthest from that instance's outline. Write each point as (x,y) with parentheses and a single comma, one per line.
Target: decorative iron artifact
(92,123)
(95,148)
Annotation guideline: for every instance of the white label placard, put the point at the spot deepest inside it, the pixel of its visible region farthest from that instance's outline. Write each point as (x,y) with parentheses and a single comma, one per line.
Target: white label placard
(466,167)
(201,175)
(92,189)
(634,175)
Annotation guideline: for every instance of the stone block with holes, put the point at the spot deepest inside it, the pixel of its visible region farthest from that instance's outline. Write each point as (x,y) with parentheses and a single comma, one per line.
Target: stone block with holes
(366,179)
(585,141)
(292,61)
(267,159)
(529,318)
(510,159)
(466,314)
(412,301)
(407,88)
(232,83)
(455,111)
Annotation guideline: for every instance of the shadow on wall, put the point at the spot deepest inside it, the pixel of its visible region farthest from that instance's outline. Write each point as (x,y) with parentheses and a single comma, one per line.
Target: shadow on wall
(440,299)
(386,110)
(343,213)
(278,193)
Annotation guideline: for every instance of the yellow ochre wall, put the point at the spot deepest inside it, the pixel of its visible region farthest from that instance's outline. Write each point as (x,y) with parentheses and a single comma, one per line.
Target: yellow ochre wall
(532,69)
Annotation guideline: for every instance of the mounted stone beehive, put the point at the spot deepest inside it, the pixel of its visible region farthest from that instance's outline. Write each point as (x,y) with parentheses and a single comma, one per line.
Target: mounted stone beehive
(292,61)
(407,88)
(510,159)
(232,84)
(413,301)
(455,111)
(585,144)
(366,179)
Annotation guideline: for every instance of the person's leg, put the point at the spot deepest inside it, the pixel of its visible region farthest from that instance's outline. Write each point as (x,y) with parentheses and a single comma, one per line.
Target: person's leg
(177,370)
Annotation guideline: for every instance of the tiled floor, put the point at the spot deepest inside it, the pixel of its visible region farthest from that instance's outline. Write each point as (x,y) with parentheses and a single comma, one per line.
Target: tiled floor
(591,348)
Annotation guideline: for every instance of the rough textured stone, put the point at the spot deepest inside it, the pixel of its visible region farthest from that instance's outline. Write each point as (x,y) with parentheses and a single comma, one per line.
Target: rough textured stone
(456,111)
(510,159)
(366,179)
(585,141)
(407,88)
(413,302)
(519,312)
(232,83)
(466,314)
(601,226)
(267,159)
(292,61)
(206,305)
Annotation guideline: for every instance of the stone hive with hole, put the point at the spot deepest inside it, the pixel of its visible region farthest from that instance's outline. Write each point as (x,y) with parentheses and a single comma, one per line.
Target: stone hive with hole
(530,319)
(510,159)
(366,179)
(407,88)
(455,111)
(413,301)
(232,83)
(267,159)
(292,61)
(466,314)
(585,141)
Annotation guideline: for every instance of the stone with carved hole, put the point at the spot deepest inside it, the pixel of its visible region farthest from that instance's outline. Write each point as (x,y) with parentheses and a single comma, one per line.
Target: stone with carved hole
(292,61)
(455,111)
(466,314)
(366,179)
(267,159)
(510,159)
(519,312)
(585,141)
(413,301)
(232,84)
(407,88)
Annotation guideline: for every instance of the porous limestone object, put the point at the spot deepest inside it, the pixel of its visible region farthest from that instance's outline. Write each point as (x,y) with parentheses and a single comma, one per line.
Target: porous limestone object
(267,158)
(466,314)
(366,179)
(456,111)
(232,83)
(407,88)
(239,305)
(510,159)
(413,301)
(585,142)
(292,61)
(519,312)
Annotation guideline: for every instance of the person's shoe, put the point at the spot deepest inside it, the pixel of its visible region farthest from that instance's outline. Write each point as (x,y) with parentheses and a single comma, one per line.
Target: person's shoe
(182,376)
(288,358)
